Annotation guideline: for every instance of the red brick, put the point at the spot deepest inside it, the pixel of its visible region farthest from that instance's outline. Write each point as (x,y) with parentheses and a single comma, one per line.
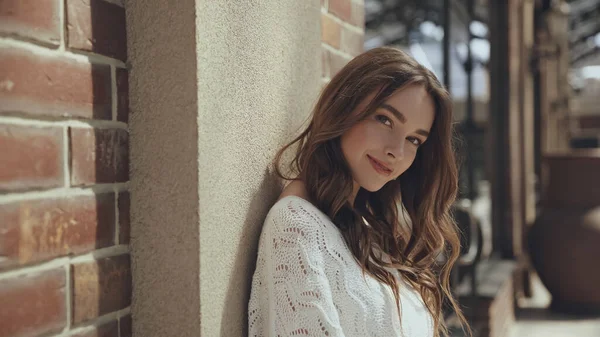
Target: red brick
(100,287)
(53,86)
(125,326)
(37,230)
(99,156)
(110,329)
(336,63)
(341,8)
(33,305)
(123,95)
(330,31)
(32,157)
(124,227)
(31,19)
(352,41)
(97,26)
(358,15)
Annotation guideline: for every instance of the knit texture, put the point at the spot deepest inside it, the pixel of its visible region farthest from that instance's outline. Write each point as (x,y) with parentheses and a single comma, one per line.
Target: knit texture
(307,283)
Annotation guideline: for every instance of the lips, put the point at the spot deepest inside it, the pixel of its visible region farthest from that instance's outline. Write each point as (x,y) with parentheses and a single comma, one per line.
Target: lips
(379,166)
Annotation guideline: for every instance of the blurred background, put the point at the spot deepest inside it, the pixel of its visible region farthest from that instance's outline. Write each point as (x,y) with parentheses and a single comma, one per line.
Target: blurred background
(136,138)
(524,77)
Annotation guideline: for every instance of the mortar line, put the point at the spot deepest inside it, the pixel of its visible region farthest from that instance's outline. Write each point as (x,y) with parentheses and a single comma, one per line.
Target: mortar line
(113,91)
(63,192)
(79,56)
(117,222)
(68,296)
(41,121)
(67,157)
(34,269)
(62,17)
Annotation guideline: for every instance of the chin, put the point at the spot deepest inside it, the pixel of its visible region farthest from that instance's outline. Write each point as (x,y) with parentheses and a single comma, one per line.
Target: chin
(372,187)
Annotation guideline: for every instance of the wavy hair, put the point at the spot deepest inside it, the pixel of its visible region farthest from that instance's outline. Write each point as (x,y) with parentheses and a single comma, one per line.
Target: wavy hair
(422,196)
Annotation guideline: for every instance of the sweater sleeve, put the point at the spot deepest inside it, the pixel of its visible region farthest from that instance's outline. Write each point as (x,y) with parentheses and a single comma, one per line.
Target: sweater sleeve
(292,293)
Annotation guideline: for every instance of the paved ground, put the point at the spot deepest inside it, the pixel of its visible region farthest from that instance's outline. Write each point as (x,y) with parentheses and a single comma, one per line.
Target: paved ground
(534,320)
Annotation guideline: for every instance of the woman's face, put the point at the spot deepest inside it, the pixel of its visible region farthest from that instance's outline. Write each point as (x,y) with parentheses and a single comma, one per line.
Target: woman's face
(381,147)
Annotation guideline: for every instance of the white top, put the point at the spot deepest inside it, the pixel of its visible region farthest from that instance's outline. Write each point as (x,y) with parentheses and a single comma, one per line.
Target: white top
(307,283)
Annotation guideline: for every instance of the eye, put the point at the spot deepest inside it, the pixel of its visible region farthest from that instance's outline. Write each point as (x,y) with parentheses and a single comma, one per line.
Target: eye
(383,119)
(415,141)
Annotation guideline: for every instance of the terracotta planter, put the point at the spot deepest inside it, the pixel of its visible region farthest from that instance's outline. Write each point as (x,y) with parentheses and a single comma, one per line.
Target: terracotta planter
(564,243)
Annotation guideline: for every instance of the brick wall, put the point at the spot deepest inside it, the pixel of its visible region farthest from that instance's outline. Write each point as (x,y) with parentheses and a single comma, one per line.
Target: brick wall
(342,34)
(64,202)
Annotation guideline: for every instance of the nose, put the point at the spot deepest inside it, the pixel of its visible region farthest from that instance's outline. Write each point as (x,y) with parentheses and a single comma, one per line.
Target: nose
(395,150)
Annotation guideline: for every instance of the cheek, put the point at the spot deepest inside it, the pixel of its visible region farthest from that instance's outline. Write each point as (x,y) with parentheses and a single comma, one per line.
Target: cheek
(354,141)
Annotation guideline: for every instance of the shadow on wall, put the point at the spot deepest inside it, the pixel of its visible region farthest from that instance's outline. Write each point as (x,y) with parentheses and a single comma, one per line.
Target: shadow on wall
(107,284)
(245,260)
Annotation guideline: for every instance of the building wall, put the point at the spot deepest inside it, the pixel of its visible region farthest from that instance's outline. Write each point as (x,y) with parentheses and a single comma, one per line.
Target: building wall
(165,225)
(274,82)
(64,200)
(196,221)
(216,89)
(258,77)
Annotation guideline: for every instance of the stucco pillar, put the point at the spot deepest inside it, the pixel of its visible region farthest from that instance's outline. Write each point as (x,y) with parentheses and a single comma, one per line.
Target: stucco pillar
(216,88)
(165,221)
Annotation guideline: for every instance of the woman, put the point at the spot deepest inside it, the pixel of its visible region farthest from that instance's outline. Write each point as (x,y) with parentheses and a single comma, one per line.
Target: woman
(350,247)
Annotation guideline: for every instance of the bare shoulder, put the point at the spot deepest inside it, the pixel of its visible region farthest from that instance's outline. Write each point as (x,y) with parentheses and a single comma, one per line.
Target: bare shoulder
(294,188)
(293,205)
(293,209)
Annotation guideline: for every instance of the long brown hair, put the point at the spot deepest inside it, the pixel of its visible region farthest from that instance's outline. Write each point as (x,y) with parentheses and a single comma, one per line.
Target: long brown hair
(424,192)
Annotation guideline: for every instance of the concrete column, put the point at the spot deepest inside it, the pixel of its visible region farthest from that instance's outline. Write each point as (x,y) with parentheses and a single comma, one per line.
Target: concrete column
(216,87)
(165,220)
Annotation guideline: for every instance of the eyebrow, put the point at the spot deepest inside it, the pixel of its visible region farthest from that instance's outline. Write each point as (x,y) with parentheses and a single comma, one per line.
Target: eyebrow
(402,118)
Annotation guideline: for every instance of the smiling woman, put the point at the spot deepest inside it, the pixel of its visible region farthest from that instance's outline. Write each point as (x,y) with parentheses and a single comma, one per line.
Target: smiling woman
(350,247)
(387,140)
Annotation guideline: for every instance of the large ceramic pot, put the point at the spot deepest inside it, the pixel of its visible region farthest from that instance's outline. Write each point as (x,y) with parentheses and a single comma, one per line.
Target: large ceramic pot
(564,242)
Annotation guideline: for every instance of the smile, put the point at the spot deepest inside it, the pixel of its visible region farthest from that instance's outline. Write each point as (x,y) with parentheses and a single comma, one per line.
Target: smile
(379,167)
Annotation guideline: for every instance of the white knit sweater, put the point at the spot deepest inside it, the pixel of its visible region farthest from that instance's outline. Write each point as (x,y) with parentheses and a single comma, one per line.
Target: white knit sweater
(307,283)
